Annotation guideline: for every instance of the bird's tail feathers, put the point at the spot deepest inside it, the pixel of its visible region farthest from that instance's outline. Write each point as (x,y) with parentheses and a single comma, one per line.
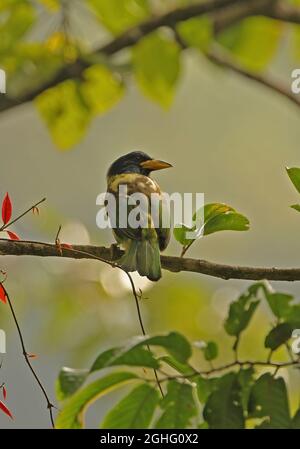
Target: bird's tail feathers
(142,256)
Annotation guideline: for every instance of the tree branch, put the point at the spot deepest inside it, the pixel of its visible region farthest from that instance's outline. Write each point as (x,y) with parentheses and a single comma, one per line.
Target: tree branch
(236,363)
(169,263)
(285,12)
(225,13)
(126,39)
(229,16)
(221,59)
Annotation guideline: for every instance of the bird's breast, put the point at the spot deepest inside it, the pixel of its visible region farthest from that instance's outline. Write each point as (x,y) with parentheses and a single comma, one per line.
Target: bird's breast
(134,183)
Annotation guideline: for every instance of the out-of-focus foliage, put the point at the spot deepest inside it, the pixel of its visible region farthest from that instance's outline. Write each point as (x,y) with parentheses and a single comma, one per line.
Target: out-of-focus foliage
(155,60)
(63,109)
(196,32)
(253,42)
(117,16)
(135,411)
(156,66)
(69,107)
(228,396)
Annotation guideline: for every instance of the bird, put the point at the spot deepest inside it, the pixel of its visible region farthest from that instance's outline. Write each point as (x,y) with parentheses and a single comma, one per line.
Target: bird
(142,245)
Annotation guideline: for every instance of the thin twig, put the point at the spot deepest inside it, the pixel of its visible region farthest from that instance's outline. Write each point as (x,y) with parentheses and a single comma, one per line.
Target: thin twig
(290,352)
(57,235)
(143,328)
(50,406)
(134,292)
(5,226)
(233,364)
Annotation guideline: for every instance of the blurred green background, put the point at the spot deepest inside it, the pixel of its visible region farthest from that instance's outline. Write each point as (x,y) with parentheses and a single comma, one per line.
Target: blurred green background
(227,137)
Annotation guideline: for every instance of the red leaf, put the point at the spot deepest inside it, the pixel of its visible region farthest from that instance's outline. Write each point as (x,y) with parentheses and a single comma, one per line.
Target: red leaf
(35,210)
(66,245)
(6,209)
(4,393)
(6,410)
(12,235)
(2,294)
(32,356)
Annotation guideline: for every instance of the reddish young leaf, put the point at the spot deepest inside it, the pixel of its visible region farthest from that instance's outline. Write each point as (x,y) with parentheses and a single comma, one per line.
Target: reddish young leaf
(6,410)
(2,294)
(66,245)
(6,209)
(12,235)
(35,210)
(32,356)
(4,393)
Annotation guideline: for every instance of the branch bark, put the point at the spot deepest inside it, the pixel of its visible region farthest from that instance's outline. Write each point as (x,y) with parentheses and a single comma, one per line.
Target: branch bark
(169,263)
(285,12)
(223,60)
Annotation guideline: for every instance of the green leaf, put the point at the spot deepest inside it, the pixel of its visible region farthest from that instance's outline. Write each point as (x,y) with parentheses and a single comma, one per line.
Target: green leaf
(246,379)
(175,343)
(69,381)
(279,303)
(182,368)
(134,354)
(212,217)
(241,311)
(253,41)
(268,399)
(196,32)
(65,113)
(72,414)
(220,217)
(205,387)
(178,407)
(296,420)
(210,351)
(101,89)
(16,21)
(223,409)
(279,335)
(294,175)
(117,16)
(180,232)
(296,207)
(156,65)
(135,411)
(230,221)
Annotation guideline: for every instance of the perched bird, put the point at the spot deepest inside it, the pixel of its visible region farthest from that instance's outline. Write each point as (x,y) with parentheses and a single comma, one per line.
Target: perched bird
(142,245)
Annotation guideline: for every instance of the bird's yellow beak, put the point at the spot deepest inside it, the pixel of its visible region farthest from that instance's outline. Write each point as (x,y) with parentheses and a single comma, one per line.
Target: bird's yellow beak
(154,164)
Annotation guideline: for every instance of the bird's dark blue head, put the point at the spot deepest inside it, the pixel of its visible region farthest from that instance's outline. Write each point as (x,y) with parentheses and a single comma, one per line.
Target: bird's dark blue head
(136,162)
